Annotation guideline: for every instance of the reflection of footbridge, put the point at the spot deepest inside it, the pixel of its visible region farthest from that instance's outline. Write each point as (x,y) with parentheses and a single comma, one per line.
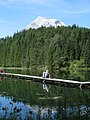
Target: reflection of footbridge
(61,82)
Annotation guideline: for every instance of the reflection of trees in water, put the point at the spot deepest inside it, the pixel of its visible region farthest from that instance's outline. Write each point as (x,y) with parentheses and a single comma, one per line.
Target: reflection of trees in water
(69,110)
(46,113)
(71,103)
(12,110)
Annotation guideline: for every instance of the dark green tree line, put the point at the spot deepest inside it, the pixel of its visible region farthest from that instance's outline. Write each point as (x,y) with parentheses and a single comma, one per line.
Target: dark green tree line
(52,47)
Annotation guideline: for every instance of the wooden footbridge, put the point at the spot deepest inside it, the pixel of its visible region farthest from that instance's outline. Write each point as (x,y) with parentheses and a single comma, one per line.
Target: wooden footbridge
(63,82)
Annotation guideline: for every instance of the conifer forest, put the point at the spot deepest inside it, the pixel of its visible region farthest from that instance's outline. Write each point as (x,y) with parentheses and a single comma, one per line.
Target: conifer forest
(52,47)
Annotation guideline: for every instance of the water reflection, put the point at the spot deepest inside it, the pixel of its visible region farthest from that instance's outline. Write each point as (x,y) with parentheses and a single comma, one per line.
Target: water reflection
(27,100)
(10,109)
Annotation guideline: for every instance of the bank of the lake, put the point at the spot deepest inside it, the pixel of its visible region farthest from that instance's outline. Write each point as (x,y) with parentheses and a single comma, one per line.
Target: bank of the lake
(79,74)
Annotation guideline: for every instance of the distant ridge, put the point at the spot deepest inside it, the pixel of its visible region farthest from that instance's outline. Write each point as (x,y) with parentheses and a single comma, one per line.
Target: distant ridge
(41,21)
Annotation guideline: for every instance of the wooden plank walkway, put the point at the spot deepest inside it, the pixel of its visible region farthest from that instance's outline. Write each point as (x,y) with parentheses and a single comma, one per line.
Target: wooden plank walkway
(48,80)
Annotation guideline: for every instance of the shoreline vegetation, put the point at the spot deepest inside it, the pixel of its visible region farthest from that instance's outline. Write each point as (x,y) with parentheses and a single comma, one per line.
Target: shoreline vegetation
(24,68)
(74,65)
(79,74)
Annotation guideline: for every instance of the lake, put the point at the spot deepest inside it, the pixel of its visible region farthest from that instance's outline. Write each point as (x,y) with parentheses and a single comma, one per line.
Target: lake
(27,100)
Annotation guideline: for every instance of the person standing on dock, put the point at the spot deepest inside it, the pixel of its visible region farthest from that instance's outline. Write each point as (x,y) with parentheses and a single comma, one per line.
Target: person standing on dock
(46,74)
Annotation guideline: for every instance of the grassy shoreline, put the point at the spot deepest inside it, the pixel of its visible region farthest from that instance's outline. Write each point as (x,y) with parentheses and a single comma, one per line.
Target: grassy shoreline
(67,68)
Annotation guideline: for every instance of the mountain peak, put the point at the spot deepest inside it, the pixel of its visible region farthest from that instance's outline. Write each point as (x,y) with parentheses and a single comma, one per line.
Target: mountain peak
(40,17)
(41,21)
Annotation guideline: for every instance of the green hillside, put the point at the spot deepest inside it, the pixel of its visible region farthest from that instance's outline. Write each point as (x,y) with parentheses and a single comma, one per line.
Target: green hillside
(52,47)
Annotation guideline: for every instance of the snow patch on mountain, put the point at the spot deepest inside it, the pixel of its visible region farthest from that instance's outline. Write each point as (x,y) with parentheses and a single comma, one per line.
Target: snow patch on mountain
(41,21)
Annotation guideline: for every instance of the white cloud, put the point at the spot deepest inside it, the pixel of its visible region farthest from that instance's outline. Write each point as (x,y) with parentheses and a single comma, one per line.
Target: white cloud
(77,11)
(29,1)
(12,0)
(3,21)
(19,2)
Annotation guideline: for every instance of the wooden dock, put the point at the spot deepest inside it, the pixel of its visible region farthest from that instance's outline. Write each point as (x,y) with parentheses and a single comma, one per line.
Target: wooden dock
(48,80)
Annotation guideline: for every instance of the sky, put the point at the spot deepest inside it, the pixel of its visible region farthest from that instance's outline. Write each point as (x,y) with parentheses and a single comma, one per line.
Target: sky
(15,15)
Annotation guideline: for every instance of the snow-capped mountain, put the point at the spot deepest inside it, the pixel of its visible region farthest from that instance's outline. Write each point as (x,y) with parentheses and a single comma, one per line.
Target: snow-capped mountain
(41,21)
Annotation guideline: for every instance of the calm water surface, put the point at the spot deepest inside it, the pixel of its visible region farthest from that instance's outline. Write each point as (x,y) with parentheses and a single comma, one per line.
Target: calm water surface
(27,100)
